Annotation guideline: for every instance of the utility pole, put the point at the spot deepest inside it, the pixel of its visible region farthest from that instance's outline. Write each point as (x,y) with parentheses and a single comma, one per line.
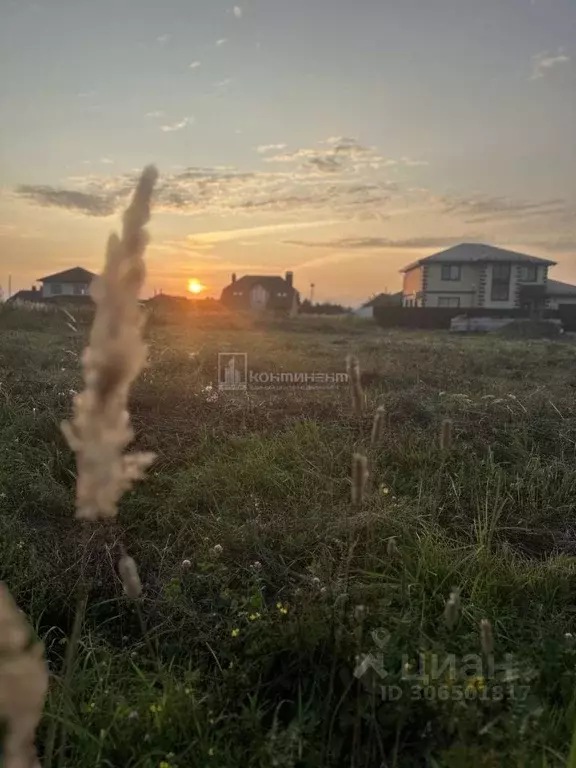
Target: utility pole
(9,286)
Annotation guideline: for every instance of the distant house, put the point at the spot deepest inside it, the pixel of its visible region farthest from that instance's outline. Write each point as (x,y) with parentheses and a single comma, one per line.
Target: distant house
(71,282)
(259,293)
(33,295)
(476,275)
(559,294)
(381,300)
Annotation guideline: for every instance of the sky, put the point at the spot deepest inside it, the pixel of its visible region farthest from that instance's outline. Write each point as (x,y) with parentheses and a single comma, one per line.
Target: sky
(337,139)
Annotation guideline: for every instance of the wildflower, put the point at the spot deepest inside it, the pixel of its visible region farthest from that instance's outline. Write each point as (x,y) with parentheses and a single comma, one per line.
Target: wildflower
(446,435)
(486,636)
(359,478)
(156,708)
(100,427)
(211,752)
(164,764)
(282,608)
(476,683)
(384,490)
(254,616)
(133,715)
(218,549)
(256,565)
(128,571)
(186,565)
(316,581)
(235,632)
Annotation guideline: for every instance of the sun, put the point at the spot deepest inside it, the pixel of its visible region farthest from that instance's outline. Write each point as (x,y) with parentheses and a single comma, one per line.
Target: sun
(195,286)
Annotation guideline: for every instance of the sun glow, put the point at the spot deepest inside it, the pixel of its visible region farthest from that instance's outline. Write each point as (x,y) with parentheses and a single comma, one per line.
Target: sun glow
(195,286)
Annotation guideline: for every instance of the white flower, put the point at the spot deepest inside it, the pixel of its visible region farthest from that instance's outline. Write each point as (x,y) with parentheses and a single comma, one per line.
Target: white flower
(218,549)
(186,564)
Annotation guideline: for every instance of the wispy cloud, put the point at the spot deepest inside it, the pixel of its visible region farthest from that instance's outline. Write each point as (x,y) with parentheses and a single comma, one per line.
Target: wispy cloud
(154,113)
(224,83)
(481,210)
(220,236)
(222,41)
(163,39)
(86,203)
(237,11)
(195,64)
(543,62)
(363,243)
(106,161)
(184,123)
(263,148)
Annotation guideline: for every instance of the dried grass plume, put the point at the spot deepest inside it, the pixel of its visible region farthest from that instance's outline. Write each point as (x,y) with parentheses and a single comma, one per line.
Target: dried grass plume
(23,685)
(100,427)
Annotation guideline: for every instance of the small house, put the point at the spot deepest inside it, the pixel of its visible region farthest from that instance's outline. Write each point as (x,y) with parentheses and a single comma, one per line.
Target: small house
(381,300)
(71,282)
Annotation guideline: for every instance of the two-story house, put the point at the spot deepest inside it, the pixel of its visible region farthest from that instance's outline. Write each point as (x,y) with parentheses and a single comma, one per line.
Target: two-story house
(476,275)
(71,282)
(259,293)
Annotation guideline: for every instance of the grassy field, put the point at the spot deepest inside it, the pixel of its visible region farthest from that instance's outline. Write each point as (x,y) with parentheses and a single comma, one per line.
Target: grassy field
(265,589)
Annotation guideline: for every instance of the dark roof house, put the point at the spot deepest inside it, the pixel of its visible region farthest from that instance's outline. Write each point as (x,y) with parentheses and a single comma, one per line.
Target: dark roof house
(473,253)
(74,275)
(71,282)
(260,293)
(33,295)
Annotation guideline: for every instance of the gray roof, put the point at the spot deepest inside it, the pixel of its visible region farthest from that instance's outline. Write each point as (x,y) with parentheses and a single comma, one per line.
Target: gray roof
(384,299)
(469,253)
(556,288)
(74,275)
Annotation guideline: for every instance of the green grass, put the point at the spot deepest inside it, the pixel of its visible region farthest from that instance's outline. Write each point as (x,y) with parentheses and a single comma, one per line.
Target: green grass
(224,676)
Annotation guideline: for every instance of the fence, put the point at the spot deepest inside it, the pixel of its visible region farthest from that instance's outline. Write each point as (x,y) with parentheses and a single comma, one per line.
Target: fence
(432,318)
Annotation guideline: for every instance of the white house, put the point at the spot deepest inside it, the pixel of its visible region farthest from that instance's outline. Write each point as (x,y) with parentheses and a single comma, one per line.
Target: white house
(476,275)
(71,282)
(382,299)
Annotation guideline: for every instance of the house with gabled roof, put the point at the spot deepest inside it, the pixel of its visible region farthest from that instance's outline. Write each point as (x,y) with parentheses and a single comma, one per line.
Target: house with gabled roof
(476,275)
(70,282)
(261,293)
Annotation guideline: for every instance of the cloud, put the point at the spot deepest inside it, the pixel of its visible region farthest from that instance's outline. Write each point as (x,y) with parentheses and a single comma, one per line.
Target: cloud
(543,62)
(224,83)
(186,121)
(482,210)
(237,11)
(204,239)
(195,64)
(88,204)
(155,113)
(106,161)
(363,243)
(222,41)
(263,148)
(163,39)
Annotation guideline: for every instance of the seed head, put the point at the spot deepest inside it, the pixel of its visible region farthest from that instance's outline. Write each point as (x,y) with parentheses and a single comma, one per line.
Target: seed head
(446,435)
(128,571)
(186,565)
(359,478)
(392,547)
(353,370)
(217,549)
(486,636)
(377,426)
(452,609)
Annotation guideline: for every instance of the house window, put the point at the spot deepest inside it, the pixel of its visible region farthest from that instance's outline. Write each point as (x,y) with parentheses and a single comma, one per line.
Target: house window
(500,282)
(449,301)
(451,271)
(56,289)
(529,273)
(79,290)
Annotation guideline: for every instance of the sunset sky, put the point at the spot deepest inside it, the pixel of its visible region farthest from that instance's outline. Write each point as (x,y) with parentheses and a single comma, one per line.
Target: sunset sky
(338,139)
